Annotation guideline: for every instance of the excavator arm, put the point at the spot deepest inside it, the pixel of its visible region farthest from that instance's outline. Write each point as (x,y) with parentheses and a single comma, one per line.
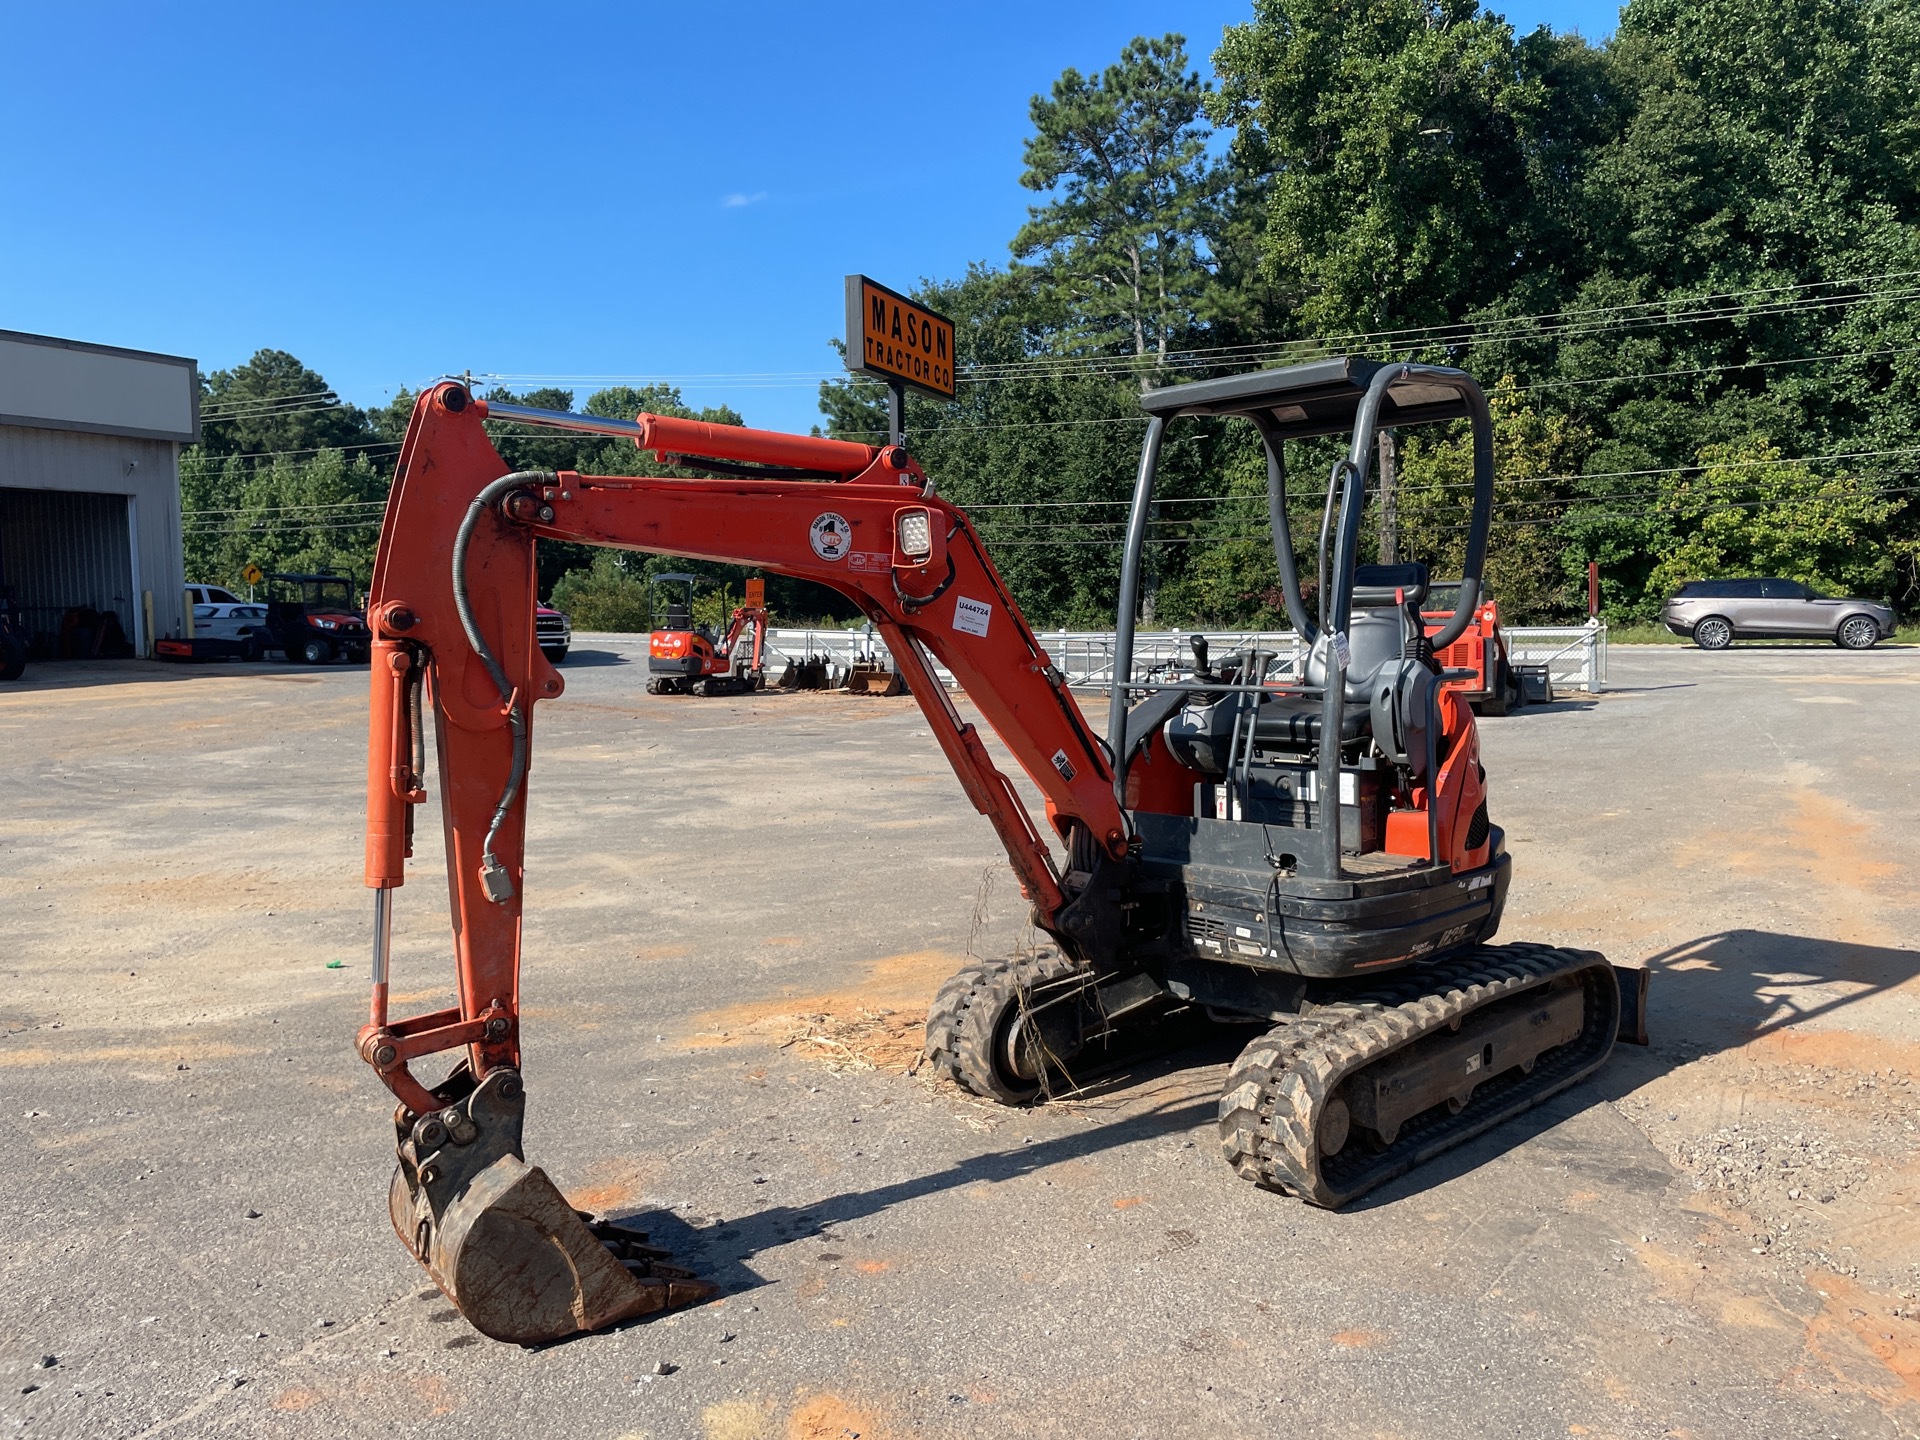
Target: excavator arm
(451,608)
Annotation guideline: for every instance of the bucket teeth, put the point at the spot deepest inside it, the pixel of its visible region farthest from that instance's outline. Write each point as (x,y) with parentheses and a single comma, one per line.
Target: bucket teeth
(520,1263)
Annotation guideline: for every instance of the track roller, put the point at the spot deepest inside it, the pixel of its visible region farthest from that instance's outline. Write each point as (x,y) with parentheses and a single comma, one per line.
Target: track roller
(1358,1091)
(1007,1029)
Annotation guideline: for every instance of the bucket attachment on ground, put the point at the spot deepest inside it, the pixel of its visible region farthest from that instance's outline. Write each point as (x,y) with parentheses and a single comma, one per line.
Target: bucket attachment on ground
(870,677)
(500,1240)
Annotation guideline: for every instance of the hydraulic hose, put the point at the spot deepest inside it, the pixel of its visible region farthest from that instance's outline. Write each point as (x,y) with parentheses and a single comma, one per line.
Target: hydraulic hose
(494,879)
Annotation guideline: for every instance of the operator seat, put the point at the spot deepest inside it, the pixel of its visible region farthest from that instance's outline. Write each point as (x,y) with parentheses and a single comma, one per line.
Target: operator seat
(1387,685)
(679,617)
(1383,629)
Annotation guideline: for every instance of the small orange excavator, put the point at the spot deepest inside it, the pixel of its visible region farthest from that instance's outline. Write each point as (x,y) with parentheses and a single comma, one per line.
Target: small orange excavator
(685,658)
(1312,854)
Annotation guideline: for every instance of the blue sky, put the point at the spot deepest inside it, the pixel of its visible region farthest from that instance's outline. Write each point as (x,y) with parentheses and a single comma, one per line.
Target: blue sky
(396,191)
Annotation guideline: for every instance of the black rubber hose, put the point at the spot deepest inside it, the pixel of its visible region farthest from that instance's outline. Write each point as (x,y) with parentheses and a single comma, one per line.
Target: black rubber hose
(516,709)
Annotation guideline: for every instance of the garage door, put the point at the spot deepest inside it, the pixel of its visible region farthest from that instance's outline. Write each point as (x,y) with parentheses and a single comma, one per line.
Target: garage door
(64,551)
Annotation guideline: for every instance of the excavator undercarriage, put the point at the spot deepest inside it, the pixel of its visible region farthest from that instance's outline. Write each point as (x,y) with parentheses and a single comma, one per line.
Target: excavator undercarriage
(1307,850)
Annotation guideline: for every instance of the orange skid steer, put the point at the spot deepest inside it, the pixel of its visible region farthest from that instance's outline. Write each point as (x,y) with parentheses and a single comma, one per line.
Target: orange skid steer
(1314,854)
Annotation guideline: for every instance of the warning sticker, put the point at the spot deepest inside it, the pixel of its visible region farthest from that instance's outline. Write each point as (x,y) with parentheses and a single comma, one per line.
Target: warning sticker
(1063,765)
(830,535)
(970,617)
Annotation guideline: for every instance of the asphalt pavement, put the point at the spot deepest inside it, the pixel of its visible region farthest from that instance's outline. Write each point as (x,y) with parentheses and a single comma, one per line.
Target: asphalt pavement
(737,911)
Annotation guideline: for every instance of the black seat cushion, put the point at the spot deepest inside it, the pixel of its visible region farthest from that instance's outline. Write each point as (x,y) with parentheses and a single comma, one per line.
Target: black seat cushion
(1295,720)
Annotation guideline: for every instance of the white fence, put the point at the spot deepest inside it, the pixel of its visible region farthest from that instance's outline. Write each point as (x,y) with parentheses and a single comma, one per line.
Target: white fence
(1575,655)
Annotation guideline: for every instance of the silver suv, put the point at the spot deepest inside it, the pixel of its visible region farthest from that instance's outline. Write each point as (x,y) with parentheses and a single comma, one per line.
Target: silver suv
(1715,613)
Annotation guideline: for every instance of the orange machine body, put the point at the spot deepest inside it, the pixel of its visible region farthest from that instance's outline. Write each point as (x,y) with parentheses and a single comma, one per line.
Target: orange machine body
(909,559)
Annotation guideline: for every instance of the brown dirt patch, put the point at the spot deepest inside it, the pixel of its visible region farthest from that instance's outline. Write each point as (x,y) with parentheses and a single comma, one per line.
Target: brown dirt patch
(433,1391)
(1853,1320)
(879,1024)
(662,952)
(1359,1339)
(828,1417)
(1838,1050)
(1819,840)
(227,891)
(873,1267)
(297,1397)
(1127,1202)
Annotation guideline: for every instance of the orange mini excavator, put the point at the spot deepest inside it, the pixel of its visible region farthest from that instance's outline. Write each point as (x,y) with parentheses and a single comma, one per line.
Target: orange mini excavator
(685,658)
(1310,851)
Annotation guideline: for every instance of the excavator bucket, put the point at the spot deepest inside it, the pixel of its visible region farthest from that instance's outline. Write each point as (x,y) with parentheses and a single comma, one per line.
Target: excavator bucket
(520,1263)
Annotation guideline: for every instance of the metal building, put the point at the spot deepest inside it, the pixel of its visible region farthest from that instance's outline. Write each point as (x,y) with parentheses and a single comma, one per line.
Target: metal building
(90,439)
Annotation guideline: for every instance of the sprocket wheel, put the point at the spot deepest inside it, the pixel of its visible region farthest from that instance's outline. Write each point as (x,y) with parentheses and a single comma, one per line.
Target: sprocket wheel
(981,1032)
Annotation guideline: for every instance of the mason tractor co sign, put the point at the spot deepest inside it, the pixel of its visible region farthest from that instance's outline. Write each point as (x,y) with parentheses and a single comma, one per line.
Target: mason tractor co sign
(890,336)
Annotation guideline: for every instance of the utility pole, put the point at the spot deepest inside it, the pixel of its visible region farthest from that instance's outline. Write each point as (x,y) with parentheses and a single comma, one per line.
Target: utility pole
(1389,500)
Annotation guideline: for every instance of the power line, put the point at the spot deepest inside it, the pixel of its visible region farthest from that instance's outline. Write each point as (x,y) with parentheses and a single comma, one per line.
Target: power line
(1302,497)
(209,455)
(1667,310)
(1448,529)
(517,427)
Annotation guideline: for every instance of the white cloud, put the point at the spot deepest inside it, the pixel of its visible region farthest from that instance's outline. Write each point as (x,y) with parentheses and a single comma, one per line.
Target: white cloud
(736,200)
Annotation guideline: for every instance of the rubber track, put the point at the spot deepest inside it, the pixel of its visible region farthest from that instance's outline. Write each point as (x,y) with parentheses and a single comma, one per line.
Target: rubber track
(1271,1108)
(966,1013)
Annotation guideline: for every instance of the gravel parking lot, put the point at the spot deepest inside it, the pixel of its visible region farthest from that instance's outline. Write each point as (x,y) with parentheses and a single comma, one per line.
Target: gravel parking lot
(737,911)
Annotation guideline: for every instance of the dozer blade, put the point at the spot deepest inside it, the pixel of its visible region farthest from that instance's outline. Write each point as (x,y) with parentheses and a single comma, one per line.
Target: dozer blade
(501,1241)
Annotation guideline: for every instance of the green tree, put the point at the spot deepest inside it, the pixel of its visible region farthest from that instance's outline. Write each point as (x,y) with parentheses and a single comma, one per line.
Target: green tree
(275,404)
(1122,243)
(1394,138)
(291,513)
(1750,512)
(608,593)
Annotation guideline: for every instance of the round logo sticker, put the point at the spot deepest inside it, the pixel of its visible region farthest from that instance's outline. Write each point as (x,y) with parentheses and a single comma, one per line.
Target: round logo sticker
(832,537)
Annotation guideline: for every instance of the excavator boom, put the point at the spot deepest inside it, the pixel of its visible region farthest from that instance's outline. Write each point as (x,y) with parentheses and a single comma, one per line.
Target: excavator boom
(452,606)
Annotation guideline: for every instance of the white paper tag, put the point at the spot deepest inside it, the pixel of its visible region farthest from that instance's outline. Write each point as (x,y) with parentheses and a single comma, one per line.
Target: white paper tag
(1339,638)
(970,617)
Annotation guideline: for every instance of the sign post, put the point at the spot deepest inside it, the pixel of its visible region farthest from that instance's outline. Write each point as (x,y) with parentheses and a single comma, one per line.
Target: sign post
(902,343)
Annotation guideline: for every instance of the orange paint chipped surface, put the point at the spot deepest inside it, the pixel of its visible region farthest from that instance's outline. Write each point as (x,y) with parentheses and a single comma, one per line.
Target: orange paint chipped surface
(1127,1202)
(611,1185)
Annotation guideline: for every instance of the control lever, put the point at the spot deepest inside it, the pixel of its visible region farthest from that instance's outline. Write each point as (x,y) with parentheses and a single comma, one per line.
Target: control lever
(1200,670)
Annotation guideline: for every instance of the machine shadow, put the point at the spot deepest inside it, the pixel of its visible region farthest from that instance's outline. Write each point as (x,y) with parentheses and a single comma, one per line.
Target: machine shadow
(1712,994)
(578,659)
(720,1254)
(1718,992)
(1559,705)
